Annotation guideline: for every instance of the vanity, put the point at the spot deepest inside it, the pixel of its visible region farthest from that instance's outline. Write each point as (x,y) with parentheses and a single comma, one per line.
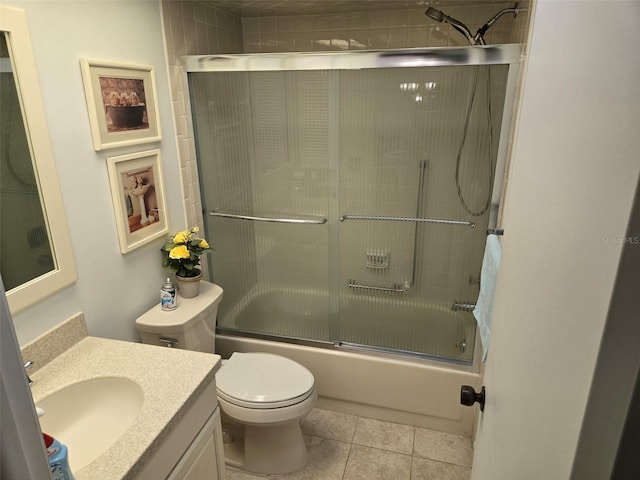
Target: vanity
(127,410)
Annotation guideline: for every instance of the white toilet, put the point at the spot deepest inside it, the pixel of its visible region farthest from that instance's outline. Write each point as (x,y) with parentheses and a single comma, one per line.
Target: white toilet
(262,396)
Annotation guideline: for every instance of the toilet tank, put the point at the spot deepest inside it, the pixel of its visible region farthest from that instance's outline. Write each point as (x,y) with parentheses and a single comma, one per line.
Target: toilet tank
(191,326)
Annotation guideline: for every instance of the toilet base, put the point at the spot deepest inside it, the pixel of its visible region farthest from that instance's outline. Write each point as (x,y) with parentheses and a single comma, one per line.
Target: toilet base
(268,450)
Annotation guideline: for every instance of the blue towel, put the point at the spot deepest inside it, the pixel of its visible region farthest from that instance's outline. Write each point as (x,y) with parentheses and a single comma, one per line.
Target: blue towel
(488,277)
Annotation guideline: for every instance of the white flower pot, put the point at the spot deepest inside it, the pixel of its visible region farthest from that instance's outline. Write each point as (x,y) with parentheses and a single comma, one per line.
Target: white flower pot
(189,287)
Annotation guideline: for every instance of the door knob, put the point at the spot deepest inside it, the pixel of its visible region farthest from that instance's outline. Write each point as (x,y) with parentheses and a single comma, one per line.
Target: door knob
(468,396)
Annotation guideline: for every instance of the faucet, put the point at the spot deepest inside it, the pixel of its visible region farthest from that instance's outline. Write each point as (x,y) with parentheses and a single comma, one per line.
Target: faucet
(27,364)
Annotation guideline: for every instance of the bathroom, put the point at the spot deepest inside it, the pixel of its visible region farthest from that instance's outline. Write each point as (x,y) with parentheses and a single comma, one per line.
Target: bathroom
(105,276)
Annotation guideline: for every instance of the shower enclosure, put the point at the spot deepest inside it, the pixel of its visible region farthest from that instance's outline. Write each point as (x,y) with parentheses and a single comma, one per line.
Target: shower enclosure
(348,195)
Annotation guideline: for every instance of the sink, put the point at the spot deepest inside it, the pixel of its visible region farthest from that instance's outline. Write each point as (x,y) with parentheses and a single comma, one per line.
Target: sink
(90,416)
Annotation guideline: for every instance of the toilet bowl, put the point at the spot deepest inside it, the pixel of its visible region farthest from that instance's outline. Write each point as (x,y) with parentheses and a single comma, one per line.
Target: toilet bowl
(268,395)
(262,396)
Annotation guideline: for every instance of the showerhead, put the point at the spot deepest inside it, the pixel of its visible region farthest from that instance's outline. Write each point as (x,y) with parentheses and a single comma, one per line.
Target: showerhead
(478,39)
(435,14)
(439,16)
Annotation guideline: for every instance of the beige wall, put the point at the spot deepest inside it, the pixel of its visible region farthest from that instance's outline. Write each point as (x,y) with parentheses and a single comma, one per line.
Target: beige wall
(379,29)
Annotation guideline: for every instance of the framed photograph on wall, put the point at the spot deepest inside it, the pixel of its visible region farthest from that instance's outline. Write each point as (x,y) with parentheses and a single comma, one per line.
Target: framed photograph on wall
(122,103)
(137,188)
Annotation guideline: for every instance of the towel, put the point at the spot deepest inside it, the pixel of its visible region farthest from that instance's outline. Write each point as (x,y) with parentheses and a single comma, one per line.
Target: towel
(488,277)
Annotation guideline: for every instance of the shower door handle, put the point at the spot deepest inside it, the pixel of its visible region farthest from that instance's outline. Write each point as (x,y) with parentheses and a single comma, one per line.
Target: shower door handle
(303,221)
(386,218)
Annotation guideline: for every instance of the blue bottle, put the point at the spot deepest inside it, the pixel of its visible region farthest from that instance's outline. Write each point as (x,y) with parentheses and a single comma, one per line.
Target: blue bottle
(58,458)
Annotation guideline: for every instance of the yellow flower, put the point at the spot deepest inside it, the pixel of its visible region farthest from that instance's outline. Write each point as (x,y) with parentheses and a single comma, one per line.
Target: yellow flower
(203,244)
(179,252)
(181,237)
(195,229)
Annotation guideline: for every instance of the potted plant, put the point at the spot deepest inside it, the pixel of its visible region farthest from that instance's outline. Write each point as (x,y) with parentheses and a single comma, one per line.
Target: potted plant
(182,255)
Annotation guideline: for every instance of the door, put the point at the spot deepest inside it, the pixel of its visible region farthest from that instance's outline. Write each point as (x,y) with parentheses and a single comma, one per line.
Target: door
(565,218)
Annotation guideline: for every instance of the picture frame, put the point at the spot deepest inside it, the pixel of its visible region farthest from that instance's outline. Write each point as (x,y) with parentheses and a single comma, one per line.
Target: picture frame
(139,204)
(122,103)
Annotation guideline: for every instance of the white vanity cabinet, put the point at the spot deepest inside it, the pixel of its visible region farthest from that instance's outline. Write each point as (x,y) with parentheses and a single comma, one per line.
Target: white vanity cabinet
(204,459)
(193,449)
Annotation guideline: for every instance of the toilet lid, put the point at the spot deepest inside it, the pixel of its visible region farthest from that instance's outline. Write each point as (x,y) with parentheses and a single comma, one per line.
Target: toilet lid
(263,380)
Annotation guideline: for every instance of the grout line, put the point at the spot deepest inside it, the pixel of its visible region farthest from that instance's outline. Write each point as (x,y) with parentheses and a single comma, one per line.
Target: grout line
(344,470)
(355,429)
(413,444)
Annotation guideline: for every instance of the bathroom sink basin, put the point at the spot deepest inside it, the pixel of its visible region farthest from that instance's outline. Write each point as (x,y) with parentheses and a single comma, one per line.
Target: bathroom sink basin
(90,416)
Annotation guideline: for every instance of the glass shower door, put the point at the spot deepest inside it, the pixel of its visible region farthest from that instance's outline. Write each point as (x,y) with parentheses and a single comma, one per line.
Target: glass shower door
(350,206)
(415,143)
(263,153)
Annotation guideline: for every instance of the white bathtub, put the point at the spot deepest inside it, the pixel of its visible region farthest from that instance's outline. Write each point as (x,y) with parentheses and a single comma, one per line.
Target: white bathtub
(395,388)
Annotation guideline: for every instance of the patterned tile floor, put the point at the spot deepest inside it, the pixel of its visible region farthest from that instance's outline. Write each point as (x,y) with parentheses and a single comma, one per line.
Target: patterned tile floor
(346,447)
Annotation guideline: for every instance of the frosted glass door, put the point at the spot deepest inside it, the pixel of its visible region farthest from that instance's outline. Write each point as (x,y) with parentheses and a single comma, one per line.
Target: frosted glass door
(404,132)
(351,146)
(262,149)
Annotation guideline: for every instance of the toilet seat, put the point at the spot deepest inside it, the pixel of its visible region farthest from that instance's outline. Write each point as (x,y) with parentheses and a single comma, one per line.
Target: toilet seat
(263,381)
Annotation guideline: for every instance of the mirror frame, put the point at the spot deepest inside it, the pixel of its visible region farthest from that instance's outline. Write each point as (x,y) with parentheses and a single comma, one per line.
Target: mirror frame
(13,22)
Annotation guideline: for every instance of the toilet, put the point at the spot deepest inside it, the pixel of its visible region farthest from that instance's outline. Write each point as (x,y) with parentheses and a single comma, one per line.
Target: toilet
(263,397)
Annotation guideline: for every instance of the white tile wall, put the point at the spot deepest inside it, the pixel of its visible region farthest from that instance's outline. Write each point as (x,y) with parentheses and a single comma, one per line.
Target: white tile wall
(193,28)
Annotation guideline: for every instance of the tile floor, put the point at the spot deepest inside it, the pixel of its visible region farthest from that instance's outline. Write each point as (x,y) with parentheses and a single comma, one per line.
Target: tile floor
(346,447)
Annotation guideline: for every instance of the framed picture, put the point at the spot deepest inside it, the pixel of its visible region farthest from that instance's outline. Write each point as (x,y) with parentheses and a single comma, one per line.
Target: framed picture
(122,103)
(138,198)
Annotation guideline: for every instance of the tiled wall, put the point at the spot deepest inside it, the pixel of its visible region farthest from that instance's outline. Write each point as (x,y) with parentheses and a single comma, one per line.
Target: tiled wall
(193,28)
(380,29)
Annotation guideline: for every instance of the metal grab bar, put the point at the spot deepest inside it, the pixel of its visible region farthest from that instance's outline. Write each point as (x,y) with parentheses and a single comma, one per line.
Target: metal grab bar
(397,288)
(314,221)
(407,219)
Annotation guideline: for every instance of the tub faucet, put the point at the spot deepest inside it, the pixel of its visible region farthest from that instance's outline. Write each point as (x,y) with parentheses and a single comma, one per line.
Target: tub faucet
(27,364)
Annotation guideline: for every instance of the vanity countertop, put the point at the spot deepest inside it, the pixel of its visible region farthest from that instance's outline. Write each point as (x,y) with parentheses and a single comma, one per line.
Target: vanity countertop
(171,380)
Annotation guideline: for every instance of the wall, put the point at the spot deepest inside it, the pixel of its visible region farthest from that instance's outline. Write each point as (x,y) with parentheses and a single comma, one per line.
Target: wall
(193,28)
(572,185)
(378,29)
(112,289)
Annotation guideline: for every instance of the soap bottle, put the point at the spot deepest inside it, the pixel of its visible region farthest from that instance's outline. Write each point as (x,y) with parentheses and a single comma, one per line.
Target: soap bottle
(58,458)
(168,296)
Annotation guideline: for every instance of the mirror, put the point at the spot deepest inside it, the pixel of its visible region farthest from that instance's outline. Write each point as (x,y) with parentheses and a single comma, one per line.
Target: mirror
(35,250)
(21,213)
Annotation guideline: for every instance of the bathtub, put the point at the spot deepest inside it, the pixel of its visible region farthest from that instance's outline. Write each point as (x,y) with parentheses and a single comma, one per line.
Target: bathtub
(386,386)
